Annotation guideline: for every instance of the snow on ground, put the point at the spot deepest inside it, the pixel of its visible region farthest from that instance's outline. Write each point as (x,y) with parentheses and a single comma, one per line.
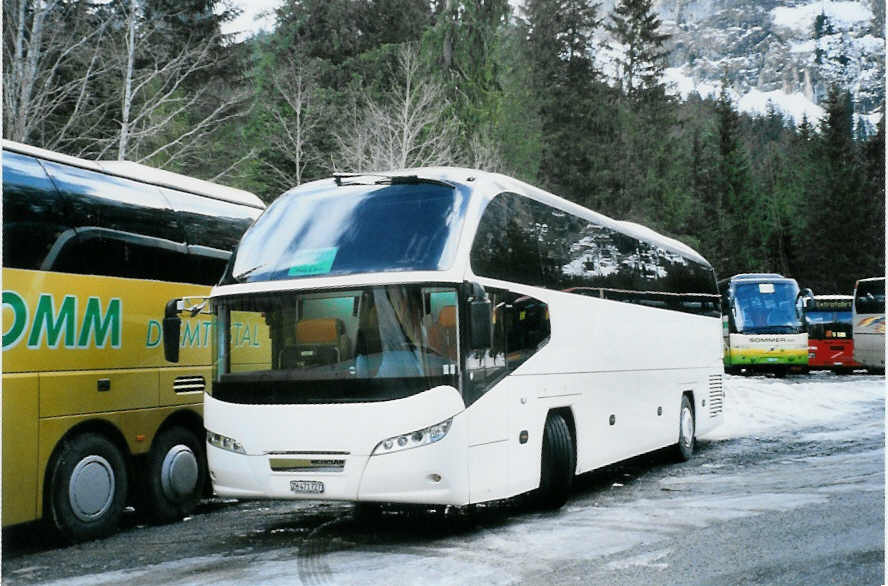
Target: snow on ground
(631,526)
(764,406)
(842,15)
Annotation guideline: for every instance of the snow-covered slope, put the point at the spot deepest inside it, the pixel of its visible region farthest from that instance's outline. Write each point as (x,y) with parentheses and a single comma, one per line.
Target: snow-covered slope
(784,52)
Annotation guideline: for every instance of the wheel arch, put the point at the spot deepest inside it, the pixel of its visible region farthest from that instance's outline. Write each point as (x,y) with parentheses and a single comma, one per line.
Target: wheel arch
(567,413)
(101,427)
(186,418)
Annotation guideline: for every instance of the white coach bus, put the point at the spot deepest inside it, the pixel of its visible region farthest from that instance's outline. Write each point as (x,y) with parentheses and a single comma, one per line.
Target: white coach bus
(448,336)
(869,323)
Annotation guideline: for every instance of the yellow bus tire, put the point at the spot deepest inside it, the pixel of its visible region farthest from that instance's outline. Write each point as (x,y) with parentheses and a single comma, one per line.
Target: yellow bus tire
(177,475)
(88,487)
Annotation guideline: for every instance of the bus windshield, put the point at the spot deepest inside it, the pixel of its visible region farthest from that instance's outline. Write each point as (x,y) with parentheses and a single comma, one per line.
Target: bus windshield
(340,230)
(360,345)
(827,323)
(766,308)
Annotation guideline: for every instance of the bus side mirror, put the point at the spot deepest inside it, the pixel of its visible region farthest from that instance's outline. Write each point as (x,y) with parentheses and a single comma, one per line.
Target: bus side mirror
(804,301)
(172,326)
(480,320)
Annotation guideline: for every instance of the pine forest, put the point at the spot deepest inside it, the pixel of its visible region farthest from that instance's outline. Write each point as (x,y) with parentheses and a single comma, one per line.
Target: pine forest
(371,85)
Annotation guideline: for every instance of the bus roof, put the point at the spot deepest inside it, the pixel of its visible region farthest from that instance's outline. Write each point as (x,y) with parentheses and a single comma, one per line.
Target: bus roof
(756,278)
(145,174)
(871,279)
(496,182)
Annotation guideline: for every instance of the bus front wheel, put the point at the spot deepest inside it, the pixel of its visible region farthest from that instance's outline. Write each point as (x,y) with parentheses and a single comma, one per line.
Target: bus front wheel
(88,487)
(177,473)
(557,465)
(684,449)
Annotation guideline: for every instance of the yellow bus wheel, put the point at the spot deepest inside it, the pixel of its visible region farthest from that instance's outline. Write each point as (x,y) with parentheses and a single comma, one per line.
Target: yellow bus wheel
(177,473)
(88,487)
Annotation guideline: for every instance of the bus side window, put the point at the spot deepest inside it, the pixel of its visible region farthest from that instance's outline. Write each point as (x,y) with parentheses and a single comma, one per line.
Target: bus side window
(527,328)
(34,214)
(506,243)
(485,368)
(123,228)
(212,229)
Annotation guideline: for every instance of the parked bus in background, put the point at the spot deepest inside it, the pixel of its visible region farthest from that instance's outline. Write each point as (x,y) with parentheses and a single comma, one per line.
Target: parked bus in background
(830,341)
(869,323)
(497,340)
(93,417)
(763,327)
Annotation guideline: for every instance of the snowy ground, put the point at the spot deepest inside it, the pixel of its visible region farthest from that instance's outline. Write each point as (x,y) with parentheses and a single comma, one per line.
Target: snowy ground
(789,490)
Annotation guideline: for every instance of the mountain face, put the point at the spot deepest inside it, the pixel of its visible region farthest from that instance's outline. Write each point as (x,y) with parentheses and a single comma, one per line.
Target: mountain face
(788,52)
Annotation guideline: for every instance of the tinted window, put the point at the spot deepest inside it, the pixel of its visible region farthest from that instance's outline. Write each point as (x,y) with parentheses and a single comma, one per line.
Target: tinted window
(520,328)
(34,216)
(123,228)
(212,229)
(870,297)
(586,258)
(505,245)
(353,229)
(115,203)
(211,222)
(122,255)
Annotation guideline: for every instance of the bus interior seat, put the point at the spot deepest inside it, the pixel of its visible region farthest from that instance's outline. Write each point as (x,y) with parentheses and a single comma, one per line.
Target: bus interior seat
(318,341)
(442,334)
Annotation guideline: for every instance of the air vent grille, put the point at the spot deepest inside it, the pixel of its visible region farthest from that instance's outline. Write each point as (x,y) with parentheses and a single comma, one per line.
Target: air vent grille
(716,395)
(189,384)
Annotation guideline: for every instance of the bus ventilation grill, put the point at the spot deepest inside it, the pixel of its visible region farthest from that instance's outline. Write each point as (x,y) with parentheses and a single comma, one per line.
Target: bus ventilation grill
(189,384)
(716,395)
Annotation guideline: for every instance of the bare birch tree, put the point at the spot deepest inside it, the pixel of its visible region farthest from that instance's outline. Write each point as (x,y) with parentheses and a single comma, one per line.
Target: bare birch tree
(156,95)
(409,128)
(295,116)
(43,39)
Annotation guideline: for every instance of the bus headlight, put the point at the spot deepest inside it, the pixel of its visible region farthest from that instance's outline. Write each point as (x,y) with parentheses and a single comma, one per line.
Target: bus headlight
(414,439)
(225,442)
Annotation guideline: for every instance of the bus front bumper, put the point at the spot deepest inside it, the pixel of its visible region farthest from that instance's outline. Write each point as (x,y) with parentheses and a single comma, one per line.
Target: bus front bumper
(431,474)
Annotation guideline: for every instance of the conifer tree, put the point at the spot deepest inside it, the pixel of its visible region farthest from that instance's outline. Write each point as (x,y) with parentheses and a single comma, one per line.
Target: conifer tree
(636,28)
(560,53)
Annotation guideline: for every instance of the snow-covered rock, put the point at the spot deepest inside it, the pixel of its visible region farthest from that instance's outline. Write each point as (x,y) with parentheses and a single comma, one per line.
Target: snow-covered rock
(784,52)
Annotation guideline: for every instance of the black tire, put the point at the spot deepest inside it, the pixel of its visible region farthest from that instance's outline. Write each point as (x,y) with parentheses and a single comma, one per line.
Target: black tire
(684,448)
(87,487)
(557,464)
(366,512)
(176,475)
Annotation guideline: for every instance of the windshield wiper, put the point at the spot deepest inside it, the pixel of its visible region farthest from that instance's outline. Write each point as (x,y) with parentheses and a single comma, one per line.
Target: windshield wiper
(247,272)
(354,179)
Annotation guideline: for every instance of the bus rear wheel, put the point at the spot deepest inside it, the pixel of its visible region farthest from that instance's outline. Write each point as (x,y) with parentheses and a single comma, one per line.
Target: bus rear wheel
(177,473)
(88,487)
(684,449)
(557,465)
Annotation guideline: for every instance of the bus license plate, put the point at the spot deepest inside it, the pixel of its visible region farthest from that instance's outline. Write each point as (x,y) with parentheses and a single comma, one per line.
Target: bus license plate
(306,486)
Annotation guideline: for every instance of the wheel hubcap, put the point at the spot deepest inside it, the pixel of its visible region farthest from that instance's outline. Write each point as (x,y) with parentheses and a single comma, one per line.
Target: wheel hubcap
(687,427)
(92,487)
(179,473)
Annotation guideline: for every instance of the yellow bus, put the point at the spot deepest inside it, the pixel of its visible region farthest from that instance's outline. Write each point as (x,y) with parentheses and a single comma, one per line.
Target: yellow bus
(94,419)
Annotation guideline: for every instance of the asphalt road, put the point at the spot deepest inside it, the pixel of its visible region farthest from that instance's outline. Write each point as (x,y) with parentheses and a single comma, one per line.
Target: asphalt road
(790,491)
